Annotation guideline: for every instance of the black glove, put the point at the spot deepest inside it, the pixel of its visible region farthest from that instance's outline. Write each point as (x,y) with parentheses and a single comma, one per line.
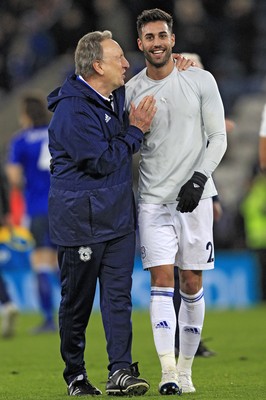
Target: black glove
(191,192)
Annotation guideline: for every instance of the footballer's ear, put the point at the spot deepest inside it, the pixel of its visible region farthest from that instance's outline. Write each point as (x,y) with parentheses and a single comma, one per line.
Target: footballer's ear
(172,39)
(139,42)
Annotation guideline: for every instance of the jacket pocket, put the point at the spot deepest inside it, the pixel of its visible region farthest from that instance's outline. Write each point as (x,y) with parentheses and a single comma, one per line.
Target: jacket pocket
(112,210)
(70,215)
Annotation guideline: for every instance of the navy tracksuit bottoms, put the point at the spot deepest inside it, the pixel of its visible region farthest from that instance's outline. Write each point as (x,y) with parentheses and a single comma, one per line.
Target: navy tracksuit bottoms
(111,263)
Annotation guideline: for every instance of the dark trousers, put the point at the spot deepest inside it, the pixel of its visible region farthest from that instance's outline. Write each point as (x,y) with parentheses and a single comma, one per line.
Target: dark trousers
(4,295)
(112,264)
(177,302)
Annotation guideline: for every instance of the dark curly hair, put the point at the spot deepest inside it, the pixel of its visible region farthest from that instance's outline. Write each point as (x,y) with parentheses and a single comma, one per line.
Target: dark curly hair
(153,15)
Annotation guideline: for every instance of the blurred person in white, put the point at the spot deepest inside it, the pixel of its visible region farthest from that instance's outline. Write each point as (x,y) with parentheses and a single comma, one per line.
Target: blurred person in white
(262,141)
(175,192)
(28,170)
(253,207)
(9,310)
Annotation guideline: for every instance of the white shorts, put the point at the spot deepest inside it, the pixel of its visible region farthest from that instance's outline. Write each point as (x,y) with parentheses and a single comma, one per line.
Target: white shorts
(182,239)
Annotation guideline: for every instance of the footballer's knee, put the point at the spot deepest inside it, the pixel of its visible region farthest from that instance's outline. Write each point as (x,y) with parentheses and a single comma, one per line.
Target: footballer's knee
(162,276)
(190,282)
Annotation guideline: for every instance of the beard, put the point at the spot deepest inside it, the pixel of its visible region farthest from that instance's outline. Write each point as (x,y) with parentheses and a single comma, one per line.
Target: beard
(157,63)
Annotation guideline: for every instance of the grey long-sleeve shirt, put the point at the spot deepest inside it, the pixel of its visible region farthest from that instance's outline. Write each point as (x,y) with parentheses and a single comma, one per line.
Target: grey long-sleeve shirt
(187,134)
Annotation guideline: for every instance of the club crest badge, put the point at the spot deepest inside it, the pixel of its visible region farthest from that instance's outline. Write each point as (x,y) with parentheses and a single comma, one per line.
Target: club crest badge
(143,252)
(85,253)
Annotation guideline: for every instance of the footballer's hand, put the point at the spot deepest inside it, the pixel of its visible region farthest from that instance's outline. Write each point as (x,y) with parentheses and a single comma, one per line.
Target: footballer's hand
(182,63)
(190,193)
(142,116)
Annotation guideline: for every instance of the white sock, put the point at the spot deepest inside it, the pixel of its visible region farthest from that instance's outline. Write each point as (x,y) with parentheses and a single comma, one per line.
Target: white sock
(163,320)
(190,319)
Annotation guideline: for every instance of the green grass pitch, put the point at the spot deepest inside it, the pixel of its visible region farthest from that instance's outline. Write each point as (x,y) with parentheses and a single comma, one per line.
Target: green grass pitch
(31,366)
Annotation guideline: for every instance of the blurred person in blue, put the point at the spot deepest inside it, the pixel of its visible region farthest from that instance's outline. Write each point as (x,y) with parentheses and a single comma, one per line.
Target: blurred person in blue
(92,209)
(9,310)
(175,192)
(28,169)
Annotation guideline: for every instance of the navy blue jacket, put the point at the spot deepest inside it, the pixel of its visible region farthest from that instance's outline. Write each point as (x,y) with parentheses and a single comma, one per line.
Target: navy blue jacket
(91,198)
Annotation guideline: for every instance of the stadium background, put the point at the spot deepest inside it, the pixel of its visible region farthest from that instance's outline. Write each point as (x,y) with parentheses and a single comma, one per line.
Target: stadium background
(37,40)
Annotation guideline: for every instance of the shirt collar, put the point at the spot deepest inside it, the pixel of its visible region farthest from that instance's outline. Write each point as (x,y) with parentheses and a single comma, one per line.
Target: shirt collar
(110,98)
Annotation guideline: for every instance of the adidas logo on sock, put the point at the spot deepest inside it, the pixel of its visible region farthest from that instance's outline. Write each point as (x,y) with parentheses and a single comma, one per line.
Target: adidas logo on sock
(191,329)
(162,324)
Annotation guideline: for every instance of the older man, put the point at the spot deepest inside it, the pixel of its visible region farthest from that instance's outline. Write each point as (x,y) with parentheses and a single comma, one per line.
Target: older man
(92,210)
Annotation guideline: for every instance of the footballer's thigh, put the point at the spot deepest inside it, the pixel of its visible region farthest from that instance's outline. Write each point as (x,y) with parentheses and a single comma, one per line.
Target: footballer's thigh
(196,248)
(158,240)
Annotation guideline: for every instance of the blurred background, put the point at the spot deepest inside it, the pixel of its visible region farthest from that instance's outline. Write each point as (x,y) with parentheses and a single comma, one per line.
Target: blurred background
(37,42)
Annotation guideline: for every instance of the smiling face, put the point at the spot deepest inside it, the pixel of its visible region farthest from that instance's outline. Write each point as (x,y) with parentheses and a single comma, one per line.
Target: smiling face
(114,64)
(156,43)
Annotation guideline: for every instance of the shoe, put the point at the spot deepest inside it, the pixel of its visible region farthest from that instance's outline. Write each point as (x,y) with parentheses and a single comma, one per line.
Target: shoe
(186,382)
(46,327)
(169,383)
(203,351)
(125,382)
(9,316)
(81,386)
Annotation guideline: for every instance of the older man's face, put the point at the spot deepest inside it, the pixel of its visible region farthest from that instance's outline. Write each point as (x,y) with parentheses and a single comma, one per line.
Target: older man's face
(114,63)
